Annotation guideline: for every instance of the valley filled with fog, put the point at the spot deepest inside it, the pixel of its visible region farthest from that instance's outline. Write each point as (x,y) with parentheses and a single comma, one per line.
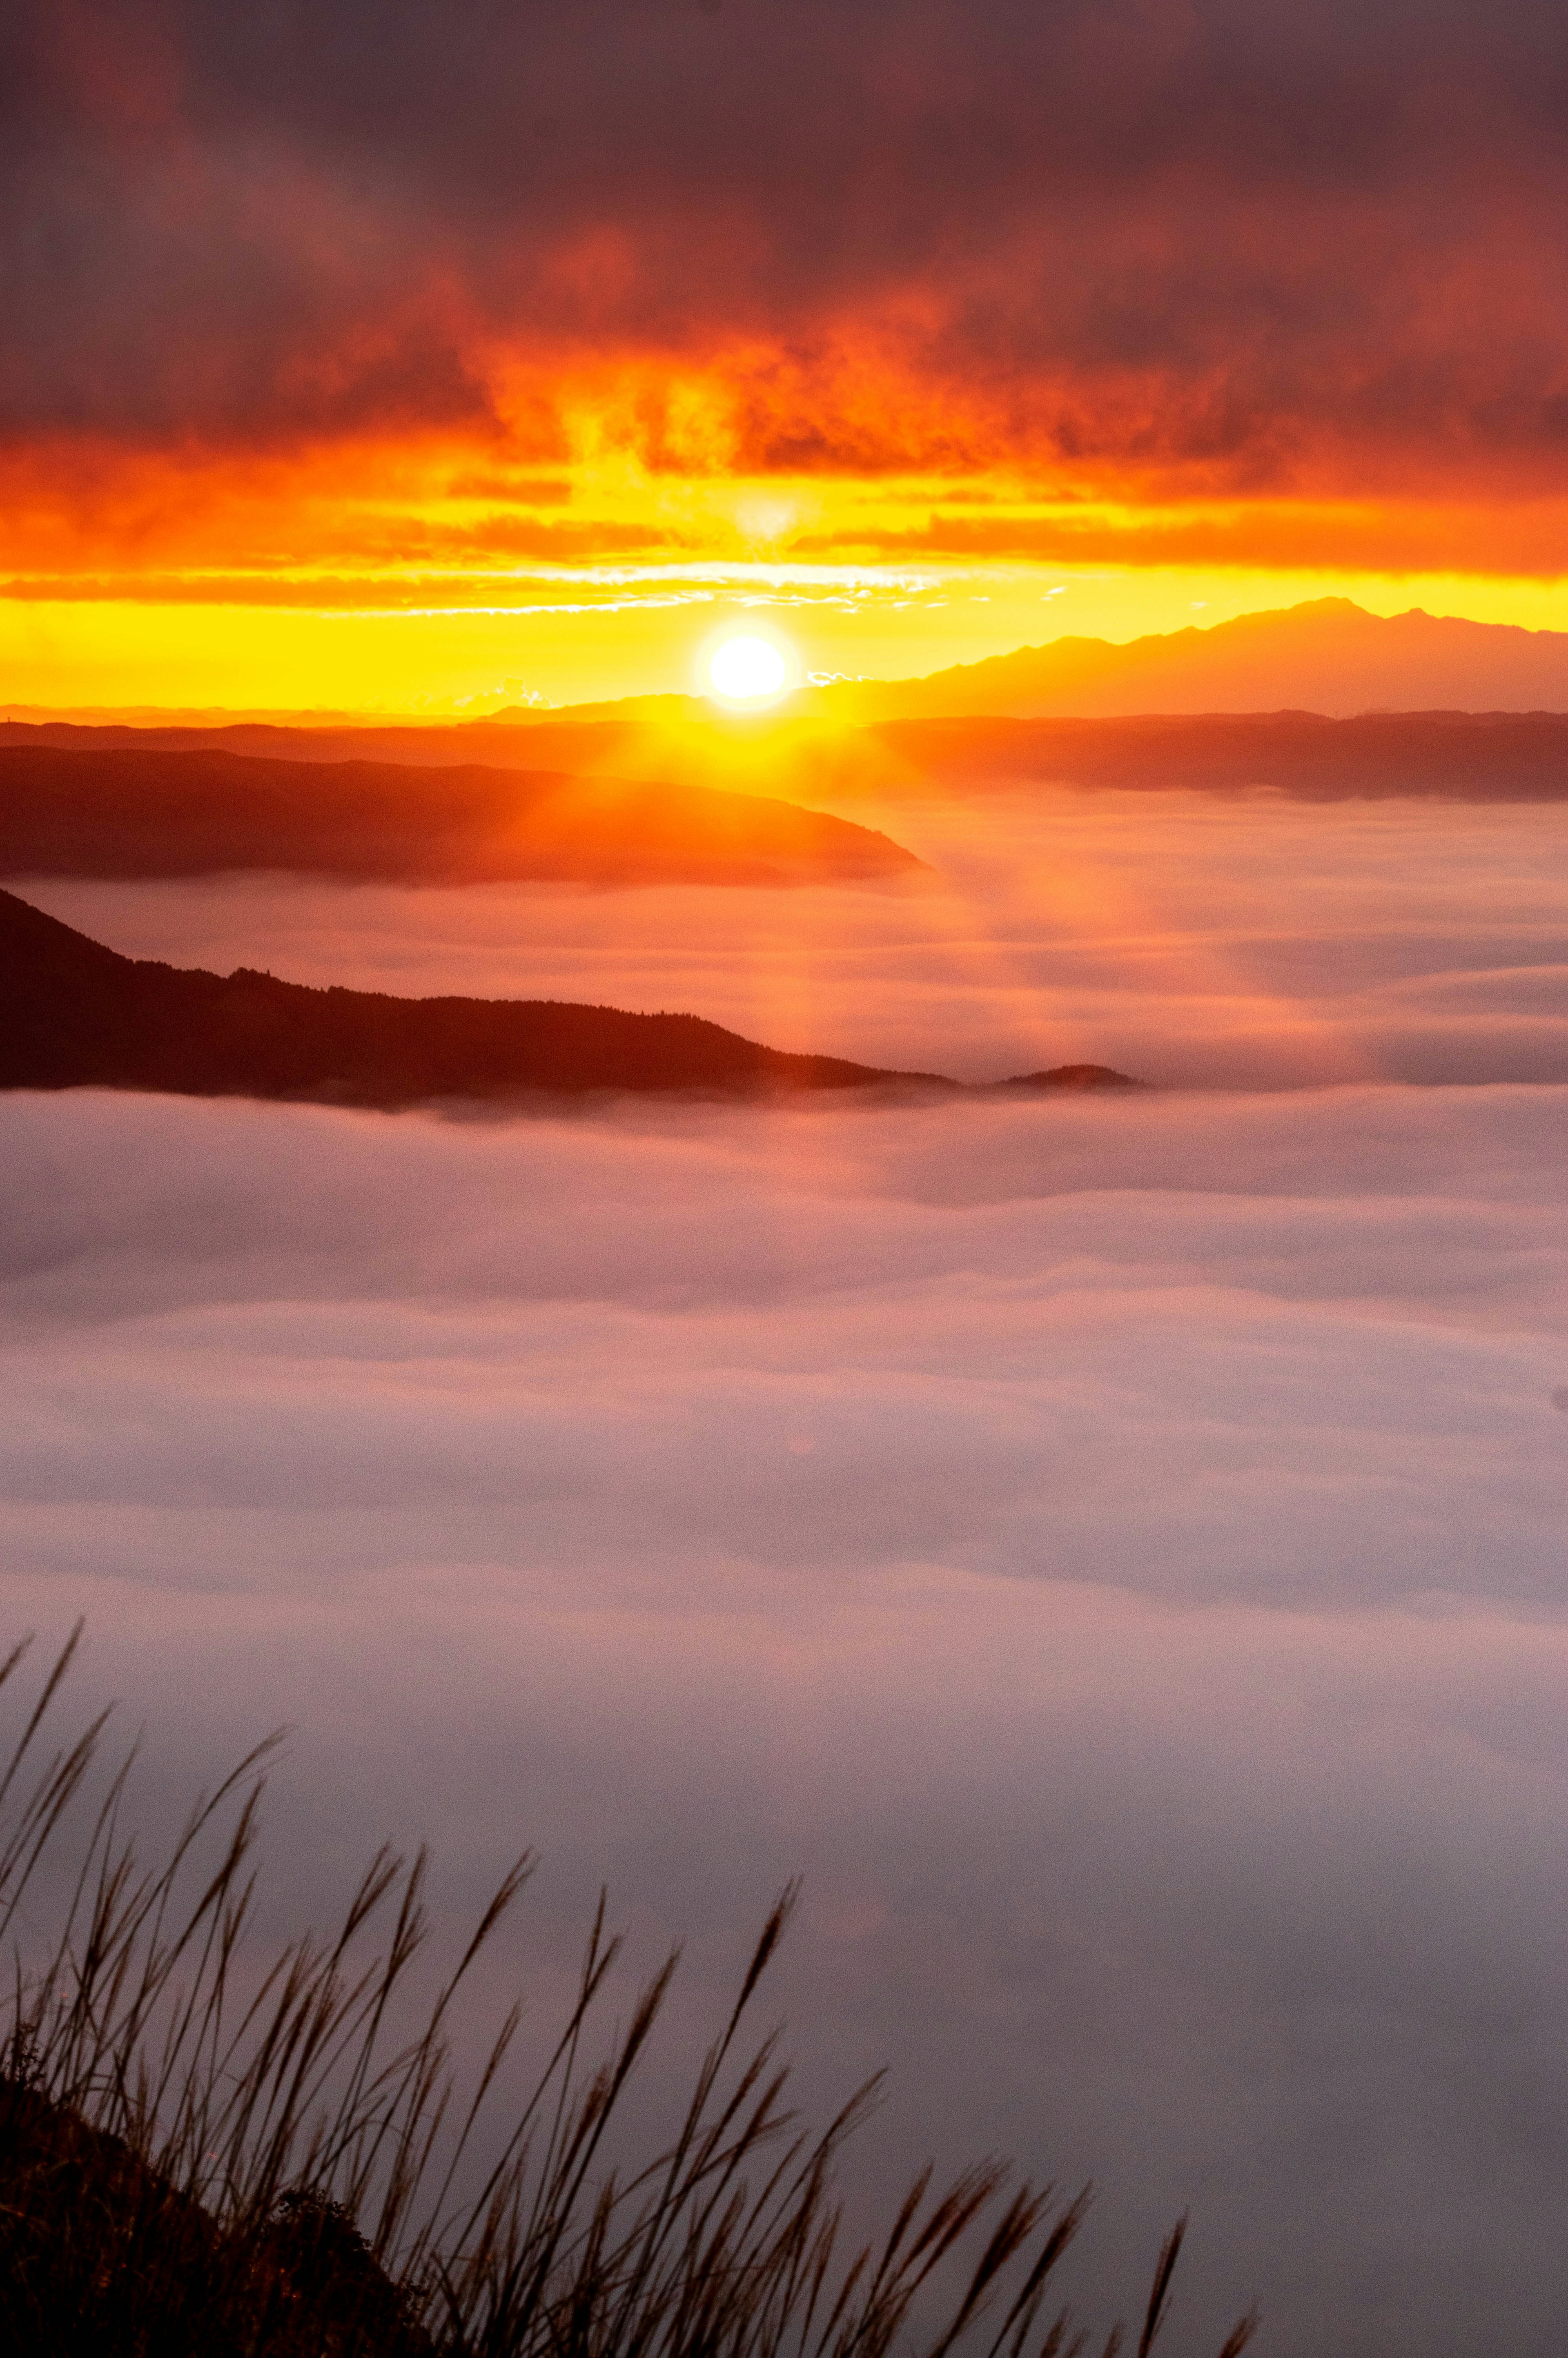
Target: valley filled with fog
(1112,1548)
(1195,940)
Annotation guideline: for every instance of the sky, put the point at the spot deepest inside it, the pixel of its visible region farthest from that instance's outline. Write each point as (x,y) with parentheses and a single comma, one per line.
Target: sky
(393,358)
(1112,1547)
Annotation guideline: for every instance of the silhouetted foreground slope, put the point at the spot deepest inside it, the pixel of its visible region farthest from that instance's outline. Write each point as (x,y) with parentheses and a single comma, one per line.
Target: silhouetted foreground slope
(100,2249)
(210,2152)
(74,1014)
(141,813)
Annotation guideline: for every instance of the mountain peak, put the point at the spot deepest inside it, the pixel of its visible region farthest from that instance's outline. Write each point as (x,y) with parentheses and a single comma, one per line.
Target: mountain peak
(1327,654)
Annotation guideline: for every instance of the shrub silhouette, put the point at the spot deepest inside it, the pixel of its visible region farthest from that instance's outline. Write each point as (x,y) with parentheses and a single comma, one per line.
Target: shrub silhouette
(205,2156)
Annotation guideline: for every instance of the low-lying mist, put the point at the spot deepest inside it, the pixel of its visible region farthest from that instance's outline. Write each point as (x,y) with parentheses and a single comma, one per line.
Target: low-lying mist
(1113,1549)
(1236,943)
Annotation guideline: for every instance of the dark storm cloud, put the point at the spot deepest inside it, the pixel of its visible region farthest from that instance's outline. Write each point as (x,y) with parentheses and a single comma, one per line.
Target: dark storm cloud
(1214,234)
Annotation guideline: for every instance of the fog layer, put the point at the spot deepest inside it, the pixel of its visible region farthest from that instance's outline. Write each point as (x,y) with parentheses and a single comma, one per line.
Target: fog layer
(1244,943)
(1115,1550)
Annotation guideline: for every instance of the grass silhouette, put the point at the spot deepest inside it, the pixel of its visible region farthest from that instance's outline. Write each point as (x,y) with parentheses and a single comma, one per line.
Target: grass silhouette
(206,2152)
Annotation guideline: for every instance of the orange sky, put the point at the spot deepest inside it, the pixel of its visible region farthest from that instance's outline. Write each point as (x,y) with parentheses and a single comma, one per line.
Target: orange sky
(364,364)
(411,580)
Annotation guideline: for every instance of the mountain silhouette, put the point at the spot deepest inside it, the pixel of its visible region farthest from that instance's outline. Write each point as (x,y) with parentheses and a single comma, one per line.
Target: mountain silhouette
(1328,655)
(1319,700)
(74,1014)
(143,812)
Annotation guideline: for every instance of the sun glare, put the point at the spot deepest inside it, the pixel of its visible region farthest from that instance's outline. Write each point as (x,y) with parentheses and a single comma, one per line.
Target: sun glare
(746,670)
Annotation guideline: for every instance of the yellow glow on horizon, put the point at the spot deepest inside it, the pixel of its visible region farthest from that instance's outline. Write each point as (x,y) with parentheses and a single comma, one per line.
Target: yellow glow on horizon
(577,641)
(441,577)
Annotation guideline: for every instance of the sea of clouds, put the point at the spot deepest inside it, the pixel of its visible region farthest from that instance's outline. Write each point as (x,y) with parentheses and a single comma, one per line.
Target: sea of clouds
(1193,939)
(1113,1548)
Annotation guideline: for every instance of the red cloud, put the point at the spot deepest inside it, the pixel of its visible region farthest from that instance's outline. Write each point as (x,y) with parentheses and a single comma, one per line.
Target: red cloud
(1178,251)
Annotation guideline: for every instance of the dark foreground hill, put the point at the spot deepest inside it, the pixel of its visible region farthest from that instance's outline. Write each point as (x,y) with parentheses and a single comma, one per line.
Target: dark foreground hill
(162,813)
(75,1014)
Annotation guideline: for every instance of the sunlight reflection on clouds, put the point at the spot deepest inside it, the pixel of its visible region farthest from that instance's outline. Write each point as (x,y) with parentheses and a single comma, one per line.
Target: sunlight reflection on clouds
(1188,939)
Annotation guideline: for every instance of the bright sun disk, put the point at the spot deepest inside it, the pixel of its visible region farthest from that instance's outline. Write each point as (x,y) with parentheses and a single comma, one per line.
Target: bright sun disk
(745,667)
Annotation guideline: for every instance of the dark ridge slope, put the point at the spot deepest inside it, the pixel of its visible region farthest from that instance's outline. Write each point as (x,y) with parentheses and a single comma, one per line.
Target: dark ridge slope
(76,1015)
(190,814)
(73,1014)
(84,2214)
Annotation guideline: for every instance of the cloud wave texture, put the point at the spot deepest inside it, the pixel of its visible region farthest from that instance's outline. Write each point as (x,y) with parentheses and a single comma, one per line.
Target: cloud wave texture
(1114,1549)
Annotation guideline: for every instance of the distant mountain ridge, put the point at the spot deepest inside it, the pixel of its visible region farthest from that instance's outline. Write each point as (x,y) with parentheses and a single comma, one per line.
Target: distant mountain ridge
(563,793)
(733,814)
(75,1014)
(1327,655)
(1478,757)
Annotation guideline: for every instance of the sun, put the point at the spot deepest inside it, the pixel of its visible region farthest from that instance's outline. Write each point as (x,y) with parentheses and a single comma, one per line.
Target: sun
(746,670)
